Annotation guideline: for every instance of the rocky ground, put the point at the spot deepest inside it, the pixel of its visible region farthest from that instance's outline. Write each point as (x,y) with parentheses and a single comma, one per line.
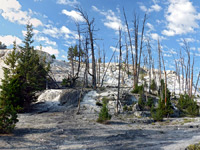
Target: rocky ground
(51,126)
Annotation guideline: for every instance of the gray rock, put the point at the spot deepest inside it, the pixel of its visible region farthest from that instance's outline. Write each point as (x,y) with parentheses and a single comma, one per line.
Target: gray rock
(69,97)
(136,107)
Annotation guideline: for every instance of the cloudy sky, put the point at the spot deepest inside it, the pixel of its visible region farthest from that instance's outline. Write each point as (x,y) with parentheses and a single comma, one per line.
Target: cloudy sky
(171,21)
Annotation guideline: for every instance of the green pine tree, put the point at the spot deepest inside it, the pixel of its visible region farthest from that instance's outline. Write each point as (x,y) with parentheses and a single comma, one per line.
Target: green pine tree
(10,94)
(31,70)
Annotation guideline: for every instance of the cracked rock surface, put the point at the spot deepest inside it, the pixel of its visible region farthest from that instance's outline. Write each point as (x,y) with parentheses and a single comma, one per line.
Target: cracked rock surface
(63,129)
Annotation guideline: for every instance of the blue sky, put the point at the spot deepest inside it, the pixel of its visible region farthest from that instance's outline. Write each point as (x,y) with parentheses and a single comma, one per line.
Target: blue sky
(54,24)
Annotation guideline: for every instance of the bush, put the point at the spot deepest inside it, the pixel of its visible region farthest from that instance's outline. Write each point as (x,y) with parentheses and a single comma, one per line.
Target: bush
(193,147)
(105,100)
(138,89)
(162,110)
(98,104)
(8,119)
(125,108)
(150,102)
(157,114)
(141,103)
(104,116)
(188,106)
(130,108)
(153,85)
(53,56)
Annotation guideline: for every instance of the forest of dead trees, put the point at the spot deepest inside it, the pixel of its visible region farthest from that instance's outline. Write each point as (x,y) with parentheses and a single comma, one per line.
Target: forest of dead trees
(138,52)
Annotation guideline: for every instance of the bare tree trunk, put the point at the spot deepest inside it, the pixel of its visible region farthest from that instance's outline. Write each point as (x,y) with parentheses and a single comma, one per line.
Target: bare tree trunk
(196,84)
(135,74)
(141,45)
(191,82)
(99,67)
(119,76)
(165,81)
(104,74)
(90,29)
(159,58)
(104,60)
(127,60)
(150,62)
(130,40)
(86,62)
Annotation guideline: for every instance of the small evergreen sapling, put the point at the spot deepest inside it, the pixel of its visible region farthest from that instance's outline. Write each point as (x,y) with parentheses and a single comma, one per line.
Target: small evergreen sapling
(104,116)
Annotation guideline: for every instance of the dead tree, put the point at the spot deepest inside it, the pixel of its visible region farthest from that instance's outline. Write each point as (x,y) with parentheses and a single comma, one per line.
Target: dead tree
(191,81)
(119,75)
(150,62)
(141,45)
(99,65)
(159,62)
(126,60)
(165,81)
(187,78)
(197,83)
(130,40)
(104,74)
(135,74)
(90,29)
(182,69)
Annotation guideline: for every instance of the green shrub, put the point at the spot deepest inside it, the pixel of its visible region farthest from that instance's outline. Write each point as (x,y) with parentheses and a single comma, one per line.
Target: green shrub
(125,108)
(138,89)
(153,85)
(53,56)
(105,100)
(130,108)
(157,114)
(188,106)
(8,119)
(98,104)
(162,110)
(193,109)
(104,116)
(193,147)
(141,102)
(150,102)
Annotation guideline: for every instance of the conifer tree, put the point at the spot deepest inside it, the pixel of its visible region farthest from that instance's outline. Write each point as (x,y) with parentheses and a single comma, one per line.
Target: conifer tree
(10,94)
(31,71)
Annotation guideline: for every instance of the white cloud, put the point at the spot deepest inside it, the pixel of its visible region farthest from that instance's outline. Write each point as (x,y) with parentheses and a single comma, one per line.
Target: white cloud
(152,8)
(188,40)
(49,50)
(64,32)
(167,55)
(155,36)
(155,7)
(181,17)
(68,2)
(52,31)
(112,21)
(46,40)
(74,15)
(9,39)
(114,49)
(150,26)
(193,48)
(143,8)
(64,56)
(11,10)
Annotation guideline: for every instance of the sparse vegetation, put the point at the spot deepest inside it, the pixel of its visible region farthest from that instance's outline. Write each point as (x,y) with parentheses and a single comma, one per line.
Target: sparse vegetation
(194,147)
(188,106)
(138,89)
(153,85)
(104,116)
(53,56)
